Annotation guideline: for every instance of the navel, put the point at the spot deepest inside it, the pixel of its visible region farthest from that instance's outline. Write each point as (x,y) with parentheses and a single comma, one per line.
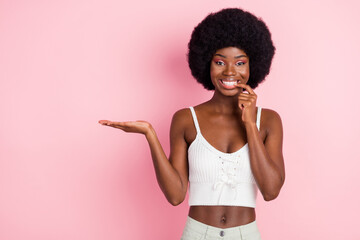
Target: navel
(223,219)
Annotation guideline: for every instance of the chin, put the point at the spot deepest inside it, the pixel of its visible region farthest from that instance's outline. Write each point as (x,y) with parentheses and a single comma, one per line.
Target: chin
(230,93)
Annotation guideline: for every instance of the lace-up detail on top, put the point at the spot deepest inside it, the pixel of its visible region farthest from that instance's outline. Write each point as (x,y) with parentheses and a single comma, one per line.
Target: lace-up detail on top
(218,178)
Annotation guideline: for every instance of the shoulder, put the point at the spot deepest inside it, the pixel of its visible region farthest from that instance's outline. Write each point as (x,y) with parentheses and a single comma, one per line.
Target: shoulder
(181,119)
(182,124)
(182,115)
(270,120)
(269,114)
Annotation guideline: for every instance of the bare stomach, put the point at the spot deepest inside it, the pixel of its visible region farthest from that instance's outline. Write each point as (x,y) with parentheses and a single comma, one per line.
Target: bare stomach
(222,216)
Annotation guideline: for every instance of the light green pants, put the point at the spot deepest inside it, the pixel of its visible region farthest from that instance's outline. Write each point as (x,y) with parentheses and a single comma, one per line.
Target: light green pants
(195,230)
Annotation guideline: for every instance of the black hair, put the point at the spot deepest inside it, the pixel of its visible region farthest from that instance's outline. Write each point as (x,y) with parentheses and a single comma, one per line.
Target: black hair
(231,27)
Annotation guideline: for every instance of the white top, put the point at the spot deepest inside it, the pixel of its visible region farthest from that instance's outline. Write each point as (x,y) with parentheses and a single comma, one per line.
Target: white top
(218,178)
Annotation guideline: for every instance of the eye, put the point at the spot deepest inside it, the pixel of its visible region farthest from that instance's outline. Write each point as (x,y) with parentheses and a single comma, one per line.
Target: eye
(219,62)
(239,63)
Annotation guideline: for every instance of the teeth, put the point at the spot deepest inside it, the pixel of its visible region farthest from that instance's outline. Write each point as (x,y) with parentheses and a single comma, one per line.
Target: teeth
(232,83)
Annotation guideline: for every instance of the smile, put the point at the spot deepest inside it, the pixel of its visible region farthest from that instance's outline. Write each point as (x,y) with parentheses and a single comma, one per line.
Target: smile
(229,84)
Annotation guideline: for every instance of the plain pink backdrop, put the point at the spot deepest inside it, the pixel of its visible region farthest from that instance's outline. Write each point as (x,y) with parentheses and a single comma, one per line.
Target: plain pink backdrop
(64,65)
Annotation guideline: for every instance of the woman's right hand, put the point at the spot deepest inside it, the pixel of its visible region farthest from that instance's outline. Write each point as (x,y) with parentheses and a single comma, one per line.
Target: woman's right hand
(130,126)
(171,173)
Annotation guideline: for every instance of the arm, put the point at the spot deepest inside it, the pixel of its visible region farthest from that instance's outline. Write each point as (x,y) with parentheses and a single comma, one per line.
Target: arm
(267,163)
(266,158)
(172,173)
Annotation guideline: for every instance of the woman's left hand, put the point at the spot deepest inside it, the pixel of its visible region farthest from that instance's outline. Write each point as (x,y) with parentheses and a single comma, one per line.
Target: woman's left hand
(247,104)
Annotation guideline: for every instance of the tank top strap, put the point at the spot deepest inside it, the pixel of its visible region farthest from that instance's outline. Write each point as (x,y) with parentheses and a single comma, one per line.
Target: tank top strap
(195,119)
(258,117)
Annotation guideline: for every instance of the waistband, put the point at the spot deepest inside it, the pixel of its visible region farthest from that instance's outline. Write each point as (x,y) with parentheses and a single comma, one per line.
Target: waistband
(208,230)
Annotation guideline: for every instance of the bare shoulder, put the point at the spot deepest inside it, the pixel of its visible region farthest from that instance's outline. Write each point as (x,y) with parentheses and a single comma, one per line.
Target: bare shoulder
(270,120)
(269,115)
(182,117)
(182,124)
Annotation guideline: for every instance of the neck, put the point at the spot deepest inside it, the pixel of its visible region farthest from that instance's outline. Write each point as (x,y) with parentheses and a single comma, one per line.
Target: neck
(224,104)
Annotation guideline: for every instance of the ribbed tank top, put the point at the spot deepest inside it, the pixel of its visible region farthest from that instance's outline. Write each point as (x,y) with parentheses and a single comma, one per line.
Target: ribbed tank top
(218,178)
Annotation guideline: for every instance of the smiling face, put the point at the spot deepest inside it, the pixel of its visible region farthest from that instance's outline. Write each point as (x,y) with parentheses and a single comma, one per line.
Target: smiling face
(229,66)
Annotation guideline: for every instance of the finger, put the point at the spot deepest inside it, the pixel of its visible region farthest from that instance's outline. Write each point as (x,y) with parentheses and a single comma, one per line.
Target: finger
(243,99)
(244,102)
(119,127)
(104,122)
(117,123)
(248,97)
(111,123)
(241,103)
(247,87)
(245,95)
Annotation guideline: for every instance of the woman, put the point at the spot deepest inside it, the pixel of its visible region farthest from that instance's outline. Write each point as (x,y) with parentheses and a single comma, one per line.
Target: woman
(226,148)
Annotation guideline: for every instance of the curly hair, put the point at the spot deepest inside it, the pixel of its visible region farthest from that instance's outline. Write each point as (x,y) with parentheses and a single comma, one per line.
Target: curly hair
(231,27)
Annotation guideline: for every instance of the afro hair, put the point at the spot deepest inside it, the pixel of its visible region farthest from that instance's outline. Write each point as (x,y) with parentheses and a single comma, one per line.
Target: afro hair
(231,27)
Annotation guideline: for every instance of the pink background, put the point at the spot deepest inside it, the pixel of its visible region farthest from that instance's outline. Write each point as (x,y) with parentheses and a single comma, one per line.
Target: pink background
(66,64)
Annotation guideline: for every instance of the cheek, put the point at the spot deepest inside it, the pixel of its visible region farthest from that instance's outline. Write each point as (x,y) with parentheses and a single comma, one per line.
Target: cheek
(245,72)
(214,71)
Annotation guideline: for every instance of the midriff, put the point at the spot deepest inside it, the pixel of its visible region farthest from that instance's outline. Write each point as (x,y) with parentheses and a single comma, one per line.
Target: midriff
(223,216)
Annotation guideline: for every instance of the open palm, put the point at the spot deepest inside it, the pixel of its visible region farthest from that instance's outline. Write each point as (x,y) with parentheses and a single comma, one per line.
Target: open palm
(129,126)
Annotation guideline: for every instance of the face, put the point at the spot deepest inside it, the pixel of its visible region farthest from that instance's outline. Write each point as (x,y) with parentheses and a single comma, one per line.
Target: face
(229,66)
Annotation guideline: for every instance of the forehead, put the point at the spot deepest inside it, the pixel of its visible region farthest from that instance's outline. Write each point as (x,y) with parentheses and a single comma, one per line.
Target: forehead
(230,52)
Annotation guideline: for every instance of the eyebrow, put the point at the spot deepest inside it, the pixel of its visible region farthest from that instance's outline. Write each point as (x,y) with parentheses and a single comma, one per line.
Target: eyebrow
(218,54)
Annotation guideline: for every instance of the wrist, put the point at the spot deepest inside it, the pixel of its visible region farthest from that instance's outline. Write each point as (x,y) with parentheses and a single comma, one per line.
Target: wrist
(149,132)
(250,125)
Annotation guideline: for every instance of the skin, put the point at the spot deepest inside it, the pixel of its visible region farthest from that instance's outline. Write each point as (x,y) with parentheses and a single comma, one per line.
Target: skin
(232,109)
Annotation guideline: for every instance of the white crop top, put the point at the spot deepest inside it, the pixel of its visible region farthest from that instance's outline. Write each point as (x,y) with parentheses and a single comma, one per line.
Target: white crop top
(218,178)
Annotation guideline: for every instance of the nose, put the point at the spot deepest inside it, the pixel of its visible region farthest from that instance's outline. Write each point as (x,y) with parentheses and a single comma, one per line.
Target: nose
(229,70)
